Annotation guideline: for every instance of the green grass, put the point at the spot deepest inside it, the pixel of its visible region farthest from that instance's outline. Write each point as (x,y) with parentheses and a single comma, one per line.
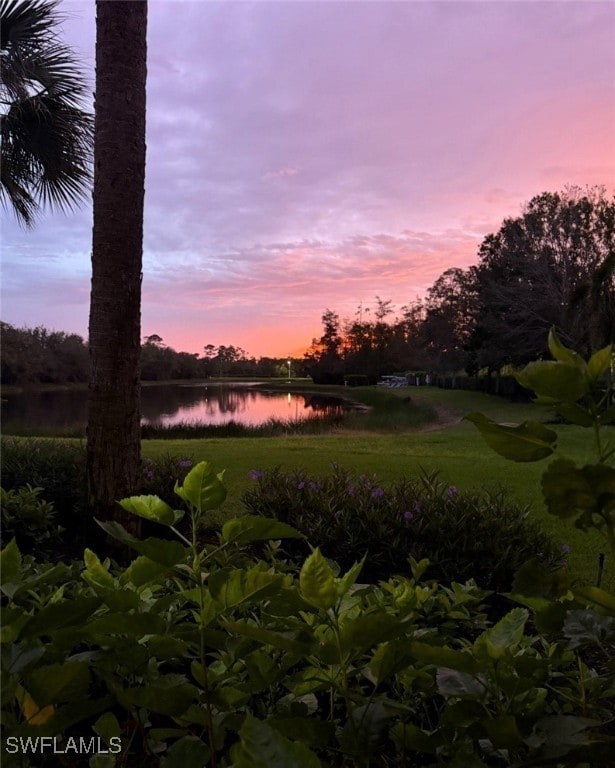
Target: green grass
(457,451)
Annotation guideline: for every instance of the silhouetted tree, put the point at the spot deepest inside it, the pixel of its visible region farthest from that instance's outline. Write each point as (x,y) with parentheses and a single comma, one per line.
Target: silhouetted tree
(450,315)
(324,361)
(548,267)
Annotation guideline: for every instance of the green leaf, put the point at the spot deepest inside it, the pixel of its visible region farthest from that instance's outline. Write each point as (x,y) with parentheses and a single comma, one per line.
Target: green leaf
(586,627)
(166,699)
(599,363)
(107,726)
(575,414)
(317,582)
(188,752)
(132,624)
(10,564)
(231,588)
(313,732)
(261,746)
(366,630)
(507,632)
(54,683)
(565,490)
(534,579)
(418,569)
(569,491)
(142,571)
(557,381)
(96,575)
(301,643)
(362,731)
(152,508)
(562,354)
(67,614)
(597,596)
(556,734)
(530,441)
(408,737)
(202,488)
(389,658)
(442,656)
(27,584)
(255,528)
(461,685)
(161,551)
(349,579)
(261,668)
(463,713)
(503,732)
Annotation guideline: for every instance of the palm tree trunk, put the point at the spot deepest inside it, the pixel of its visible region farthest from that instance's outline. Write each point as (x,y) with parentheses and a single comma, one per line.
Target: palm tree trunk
(113,433)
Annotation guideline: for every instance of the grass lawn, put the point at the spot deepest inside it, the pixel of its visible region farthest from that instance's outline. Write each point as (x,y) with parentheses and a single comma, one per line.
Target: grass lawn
(455,449)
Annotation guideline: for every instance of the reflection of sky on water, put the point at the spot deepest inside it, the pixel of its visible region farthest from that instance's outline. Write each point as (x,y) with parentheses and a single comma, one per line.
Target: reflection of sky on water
(218,405)
(53,412)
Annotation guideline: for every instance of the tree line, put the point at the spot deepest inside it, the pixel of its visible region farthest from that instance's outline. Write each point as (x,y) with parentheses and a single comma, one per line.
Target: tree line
(41,356)
(553,266)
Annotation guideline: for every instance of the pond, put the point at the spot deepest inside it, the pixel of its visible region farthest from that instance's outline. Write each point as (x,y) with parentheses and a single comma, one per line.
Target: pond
(64,412)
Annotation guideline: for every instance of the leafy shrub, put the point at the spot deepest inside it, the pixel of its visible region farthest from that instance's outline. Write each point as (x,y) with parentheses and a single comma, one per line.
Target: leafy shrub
(58,469)
(57,466)
(30,520)
(464,534)
(198,657)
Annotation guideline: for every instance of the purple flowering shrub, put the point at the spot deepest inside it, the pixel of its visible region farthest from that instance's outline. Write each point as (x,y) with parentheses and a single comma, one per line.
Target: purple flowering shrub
(464,534)
(160,475)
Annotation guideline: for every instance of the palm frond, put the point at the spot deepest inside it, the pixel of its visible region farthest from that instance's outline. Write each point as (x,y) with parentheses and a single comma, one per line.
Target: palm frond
(47,137)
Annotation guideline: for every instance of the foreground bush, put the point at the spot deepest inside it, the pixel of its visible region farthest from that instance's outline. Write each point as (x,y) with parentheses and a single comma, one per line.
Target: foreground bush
(206,656)
(30,520)
(57,468)
(463,534)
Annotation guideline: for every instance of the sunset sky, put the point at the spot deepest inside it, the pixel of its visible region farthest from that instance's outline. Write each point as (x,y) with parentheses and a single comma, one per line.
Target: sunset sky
(312,155)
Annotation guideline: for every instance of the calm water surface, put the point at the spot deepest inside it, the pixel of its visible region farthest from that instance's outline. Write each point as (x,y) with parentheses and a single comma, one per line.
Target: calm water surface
(165,405)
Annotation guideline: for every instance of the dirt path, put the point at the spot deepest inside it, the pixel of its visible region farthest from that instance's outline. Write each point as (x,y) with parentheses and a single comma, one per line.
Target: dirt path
(447,417)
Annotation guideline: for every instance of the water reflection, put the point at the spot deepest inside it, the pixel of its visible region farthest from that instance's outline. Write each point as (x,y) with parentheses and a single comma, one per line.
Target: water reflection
(207,404)
(166,405)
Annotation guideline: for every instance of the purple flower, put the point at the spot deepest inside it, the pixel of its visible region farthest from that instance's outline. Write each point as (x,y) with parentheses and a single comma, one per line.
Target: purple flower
(256,474)
(408,515)
(452,490)
(377,493)
(149,475)
(312,486)
(351,490)
(565,549)
(417,508)
(301,485)
(185,463)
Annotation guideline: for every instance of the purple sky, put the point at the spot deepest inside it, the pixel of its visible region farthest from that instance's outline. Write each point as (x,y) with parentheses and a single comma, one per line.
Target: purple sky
(305,155)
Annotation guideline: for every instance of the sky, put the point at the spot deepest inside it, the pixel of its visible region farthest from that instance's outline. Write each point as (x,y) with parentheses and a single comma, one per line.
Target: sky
(311,155)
